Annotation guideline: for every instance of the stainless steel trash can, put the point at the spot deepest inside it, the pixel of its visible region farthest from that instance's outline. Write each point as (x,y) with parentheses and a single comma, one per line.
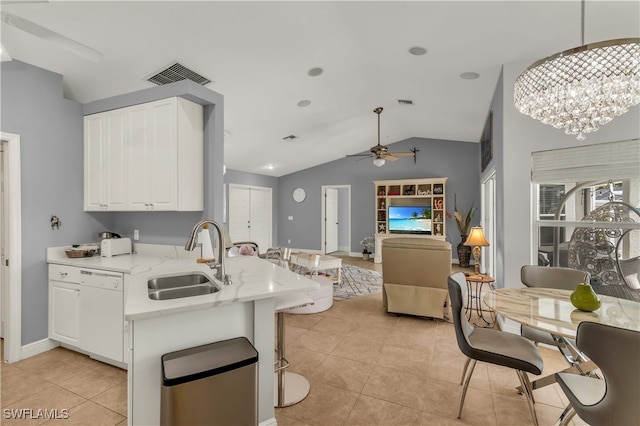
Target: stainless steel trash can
(214,384)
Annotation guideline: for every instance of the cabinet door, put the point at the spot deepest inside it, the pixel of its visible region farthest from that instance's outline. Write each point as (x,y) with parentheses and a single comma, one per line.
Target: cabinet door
(94,162)
(152,155)
(105,161)
(114,158)
(64,312)
(162,155)
(101,325)
(138,158)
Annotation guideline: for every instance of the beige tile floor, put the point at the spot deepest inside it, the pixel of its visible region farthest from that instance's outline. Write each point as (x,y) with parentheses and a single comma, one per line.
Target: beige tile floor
(366,367)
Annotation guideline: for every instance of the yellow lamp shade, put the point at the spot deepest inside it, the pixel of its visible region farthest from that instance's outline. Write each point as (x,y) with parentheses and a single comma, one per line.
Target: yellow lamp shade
(476,237)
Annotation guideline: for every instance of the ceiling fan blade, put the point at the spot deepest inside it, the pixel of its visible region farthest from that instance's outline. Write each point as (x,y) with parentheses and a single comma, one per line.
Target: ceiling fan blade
(390,157)
(402,154)
(46,34)
(359,155)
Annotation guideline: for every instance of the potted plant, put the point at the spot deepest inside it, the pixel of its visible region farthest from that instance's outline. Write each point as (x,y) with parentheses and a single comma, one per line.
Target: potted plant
(367,243)
(463,220)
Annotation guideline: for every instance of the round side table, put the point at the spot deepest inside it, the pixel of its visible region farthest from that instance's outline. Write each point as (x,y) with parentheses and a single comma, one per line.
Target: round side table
(478,281)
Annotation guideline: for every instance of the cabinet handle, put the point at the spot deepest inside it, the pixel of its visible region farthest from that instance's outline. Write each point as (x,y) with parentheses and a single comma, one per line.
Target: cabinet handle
(63,274)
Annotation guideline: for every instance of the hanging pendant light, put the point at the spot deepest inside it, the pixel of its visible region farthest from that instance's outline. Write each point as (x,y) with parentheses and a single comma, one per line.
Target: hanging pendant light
(581,89)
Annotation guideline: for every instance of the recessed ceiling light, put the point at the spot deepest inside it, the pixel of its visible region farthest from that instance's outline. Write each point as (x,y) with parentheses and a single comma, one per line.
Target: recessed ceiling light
(418,51)
(469,75)
(303,103)
(269,167)
(314,72)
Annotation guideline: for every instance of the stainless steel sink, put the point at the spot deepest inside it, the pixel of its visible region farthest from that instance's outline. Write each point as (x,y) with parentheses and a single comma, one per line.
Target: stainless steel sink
(179,292)
(174,281)
(179,286)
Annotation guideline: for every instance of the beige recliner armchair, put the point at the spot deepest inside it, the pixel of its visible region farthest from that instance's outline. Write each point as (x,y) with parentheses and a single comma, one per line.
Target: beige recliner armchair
(414,275)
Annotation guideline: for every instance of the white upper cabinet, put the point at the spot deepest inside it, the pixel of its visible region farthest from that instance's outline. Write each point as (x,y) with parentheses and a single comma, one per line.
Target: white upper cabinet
(105,178)
(145,157)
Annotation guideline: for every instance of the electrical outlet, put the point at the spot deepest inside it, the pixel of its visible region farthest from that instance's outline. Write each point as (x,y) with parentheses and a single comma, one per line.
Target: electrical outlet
(136,235)
(290,218)
(288,241)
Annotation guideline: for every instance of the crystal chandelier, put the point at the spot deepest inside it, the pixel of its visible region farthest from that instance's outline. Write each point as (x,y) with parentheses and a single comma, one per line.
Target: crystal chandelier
(581,89)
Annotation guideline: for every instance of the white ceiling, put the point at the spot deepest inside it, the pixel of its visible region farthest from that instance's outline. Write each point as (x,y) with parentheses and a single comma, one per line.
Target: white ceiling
(258,55)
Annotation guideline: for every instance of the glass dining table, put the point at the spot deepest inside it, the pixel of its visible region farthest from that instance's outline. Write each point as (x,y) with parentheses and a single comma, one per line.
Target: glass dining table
(551,310)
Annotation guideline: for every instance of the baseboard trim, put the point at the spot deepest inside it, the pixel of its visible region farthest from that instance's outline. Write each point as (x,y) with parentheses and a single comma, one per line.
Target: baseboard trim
(269,422)
(38,347)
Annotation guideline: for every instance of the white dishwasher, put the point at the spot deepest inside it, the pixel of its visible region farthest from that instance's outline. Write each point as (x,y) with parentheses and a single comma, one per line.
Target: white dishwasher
(101,313)
(86,310)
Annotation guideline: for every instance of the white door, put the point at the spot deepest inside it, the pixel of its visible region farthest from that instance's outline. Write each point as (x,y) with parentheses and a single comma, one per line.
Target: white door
(239,213)
(250,215)
(260,218)
(3,268)
(331,220)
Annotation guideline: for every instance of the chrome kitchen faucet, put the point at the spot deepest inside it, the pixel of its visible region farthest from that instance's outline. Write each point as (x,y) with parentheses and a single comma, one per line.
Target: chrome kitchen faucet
(219,265)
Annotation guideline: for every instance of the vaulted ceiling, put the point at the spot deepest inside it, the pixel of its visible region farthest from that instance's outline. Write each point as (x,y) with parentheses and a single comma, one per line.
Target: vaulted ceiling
(259,56)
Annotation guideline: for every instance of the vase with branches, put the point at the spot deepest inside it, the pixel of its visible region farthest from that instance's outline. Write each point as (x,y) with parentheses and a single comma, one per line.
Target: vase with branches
(463,221)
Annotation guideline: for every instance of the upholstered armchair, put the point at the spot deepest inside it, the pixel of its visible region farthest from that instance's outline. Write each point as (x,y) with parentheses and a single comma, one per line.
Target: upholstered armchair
(414,275)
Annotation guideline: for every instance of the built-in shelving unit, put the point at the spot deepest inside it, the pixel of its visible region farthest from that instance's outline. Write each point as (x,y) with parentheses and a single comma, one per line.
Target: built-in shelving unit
(422,198)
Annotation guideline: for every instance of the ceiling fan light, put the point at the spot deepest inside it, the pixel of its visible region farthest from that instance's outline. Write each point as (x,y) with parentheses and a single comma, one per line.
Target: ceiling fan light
(378,162)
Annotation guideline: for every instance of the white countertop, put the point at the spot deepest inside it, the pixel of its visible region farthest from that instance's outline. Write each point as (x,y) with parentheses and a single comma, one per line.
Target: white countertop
(252,278)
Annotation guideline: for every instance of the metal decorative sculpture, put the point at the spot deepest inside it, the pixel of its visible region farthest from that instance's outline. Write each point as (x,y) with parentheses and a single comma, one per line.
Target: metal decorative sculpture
(597,250)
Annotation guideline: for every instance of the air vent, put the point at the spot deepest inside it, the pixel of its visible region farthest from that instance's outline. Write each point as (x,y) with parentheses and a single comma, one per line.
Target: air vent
(177,72)
(290,137)
(405,101)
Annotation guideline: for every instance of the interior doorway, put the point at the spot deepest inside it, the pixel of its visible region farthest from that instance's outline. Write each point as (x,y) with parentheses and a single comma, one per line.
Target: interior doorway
(336,219)
(11,248)
(488,222)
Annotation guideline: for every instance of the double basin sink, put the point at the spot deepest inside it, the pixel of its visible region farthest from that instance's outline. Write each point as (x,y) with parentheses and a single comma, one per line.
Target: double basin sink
(179,286)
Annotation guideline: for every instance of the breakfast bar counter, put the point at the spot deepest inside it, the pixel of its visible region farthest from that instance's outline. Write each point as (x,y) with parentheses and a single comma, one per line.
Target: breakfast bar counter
(245,308)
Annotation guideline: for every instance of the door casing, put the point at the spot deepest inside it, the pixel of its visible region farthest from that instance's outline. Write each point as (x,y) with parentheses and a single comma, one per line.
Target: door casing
(12,240)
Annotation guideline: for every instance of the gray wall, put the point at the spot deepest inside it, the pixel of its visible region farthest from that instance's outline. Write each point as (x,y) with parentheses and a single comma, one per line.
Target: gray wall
(51,131)
(459,161)
(516,137)
(51,135)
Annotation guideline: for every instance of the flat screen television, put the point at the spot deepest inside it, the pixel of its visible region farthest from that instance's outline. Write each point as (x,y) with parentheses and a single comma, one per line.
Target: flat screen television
(410,219)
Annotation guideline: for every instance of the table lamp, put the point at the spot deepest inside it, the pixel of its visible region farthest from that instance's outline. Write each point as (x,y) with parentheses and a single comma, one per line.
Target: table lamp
(476,239)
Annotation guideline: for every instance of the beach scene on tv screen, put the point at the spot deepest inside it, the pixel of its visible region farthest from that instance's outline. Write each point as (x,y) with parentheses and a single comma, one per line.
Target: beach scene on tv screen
(412,219)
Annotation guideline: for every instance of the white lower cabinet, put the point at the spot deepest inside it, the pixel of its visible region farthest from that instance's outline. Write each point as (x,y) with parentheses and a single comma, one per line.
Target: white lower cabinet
(64,312)
(86,311)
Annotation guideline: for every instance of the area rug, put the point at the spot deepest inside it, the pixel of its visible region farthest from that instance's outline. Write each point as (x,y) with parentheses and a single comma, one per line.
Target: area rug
(356,282)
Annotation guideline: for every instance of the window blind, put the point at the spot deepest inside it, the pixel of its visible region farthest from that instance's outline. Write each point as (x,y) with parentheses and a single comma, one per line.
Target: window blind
(599,162)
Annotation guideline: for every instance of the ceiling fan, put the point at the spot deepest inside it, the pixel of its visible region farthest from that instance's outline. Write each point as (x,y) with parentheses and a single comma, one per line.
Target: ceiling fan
(380,153)
(73,46)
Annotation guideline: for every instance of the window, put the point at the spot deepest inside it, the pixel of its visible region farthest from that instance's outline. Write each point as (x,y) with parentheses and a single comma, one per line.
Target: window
(575,183)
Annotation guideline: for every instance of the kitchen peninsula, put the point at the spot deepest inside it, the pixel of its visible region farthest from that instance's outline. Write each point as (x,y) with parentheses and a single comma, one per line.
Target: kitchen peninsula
(155,327)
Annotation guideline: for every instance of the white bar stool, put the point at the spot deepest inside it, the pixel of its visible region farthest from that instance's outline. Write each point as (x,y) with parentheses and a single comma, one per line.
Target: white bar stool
(290,388)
